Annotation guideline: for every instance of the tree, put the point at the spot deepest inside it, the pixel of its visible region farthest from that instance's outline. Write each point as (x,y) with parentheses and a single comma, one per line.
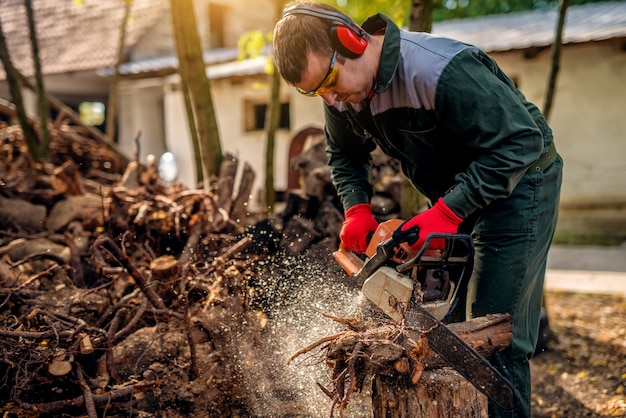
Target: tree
(421,16)
(196,88)
(13,78)
(43,149)
(556,57)
(113,89)
(250,45)
(273,121)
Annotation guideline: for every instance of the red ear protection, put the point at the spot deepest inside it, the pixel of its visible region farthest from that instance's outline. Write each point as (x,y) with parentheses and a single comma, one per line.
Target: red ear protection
(348,43)
(348,38)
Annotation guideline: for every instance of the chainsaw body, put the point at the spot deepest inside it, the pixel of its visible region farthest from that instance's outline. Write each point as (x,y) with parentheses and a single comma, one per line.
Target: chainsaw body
(393,276)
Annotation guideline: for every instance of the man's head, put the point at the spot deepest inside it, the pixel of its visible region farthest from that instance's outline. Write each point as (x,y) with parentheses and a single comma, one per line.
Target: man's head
(310,27)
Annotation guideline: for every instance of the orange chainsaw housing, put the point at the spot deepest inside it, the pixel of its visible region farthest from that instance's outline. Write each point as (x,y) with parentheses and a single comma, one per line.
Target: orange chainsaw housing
(383,233)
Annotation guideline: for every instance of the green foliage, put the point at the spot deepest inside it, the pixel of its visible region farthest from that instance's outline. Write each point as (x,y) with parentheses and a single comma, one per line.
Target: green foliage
(359,10)
(251,44)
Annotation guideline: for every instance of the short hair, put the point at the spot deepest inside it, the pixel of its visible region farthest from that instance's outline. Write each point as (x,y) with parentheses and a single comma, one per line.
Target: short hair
(297,34)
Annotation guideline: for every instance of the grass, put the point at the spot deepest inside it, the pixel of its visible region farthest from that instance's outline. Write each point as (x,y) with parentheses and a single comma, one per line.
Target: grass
(565,238)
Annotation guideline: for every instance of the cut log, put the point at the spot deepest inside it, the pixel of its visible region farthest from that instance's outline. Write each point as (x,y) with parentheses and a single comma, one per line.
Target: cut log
(166,271)
(440,393)
(226,182)
(22,214)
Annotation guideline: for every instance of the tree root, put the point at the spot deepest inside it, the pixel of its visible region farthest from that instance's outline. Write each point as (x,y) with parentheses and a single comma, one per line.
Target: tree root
(393,351)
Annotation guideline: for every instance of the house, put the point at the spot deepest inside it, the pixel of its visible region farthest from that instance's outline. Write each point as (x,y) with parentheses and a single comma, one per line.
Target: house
(589,103)
(79,49)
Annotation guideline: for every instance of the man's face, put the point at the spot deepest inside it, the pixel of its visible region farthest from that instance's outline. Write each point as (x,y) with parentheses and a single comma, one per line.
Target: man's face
(327,77)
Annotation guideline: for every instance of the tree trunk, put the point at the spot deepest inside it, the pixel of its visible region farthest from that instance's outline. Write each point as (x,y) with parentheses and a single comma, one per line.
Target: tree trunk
(441,392)
(239,210)
(195,140)
(192,68)
(43,150)
(13,79)
(111,110)
(273,121)
(272,127)
(556,58)
(421,19)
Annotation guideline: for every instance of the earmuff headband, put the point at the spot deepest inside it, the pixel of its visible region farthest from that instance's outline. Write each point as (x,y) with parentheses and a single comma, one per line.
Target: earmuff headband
(328,15)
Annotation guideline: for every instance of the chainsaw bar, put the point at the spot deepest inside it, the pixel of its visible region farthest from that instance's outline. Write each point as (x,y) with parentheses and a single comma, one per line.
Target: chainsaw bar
(461,356)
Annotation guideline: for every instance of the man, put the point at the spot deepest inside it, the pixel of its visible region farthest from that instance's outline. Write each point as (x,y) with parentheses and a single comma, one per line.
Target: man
(465,136)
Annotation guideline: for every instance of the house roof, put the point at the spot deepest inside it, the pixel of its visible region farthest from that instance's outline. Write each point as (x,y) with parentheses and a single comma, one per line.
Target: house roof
(73,37)
(78,38)
(585,23)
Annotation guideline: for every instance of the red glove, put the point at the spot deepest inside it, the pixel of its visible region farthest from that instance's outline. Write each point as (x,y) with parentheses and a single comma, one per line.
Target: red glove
(439,218)
(358,223)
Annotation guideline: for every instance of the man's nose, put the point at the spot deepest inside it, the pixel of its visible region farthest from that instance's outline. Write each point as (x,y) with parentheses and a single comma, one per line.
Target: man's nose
(329,98)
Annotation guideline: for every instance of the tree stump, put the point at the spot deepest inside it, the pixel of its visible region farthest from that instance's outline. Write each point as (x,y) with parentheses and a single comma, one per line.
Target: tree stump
(409,379)
(166,271)
(440,393)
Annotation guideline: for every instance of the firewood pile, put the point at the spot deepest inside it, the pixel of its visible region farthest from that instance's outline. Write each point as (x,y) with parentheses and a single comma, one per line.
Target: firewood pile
(118,292)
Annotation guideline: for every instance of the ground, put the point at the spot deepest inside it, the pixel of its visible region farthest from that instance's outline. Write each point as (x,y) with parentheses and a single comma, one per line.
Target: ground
(583,374)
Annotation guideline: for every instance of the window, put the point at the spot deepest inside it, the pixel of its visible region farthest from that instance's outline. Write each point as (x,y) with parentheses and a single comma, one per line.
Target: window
(256,113)
(92,113)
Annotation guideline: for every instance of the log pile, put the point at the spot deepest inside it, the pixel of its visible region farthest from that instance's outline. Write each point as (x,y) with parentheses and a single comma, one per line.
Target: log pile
(118,292)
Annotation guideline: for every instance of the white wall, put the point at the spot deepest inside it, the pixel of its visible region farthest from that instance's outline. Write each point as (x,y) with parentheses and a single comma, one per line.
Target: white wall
(141,100)
(587,116)
(141,110)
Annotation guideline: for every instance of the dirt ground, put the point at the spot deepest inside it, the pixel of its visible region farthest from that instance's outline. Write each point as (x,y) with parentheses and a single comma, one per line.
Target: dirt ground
(583,374)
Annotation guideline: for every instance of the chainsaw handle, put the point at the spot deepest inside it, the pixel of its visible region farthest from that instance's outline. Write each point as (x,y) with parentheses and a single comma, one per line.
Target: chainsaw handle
(410,236)
(348,260)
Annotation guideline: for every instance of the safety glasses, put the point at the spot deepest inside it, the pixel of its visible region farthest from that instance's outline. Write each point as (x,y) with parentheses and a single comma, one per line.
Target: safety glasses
(328,83)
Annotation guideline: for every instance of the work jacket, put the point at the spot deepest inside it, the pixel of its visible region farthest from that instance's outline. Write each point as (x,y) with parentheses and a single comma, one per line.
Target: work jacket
(457,124)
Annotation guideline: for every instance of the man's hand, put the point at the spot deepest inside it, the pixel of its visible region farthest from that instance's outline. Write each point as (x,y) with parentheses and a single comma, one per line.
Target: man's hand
(440,218)
(358,224)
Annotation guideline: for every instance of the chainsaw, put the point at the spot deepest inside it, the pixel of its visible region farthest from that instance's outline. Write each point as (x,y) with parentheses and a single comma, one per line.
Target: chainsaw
(422,288)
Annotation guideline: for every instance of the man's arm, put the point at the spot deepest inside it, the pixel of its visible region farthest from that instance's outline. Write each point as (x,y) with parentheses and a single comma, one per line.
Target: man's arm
(349,159)
(480,105)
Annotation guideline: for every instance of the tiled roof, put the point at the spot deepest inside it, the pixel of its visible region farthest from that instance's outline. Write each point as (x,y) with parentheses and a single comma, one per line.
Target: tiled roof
(74,37)
(585,23)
